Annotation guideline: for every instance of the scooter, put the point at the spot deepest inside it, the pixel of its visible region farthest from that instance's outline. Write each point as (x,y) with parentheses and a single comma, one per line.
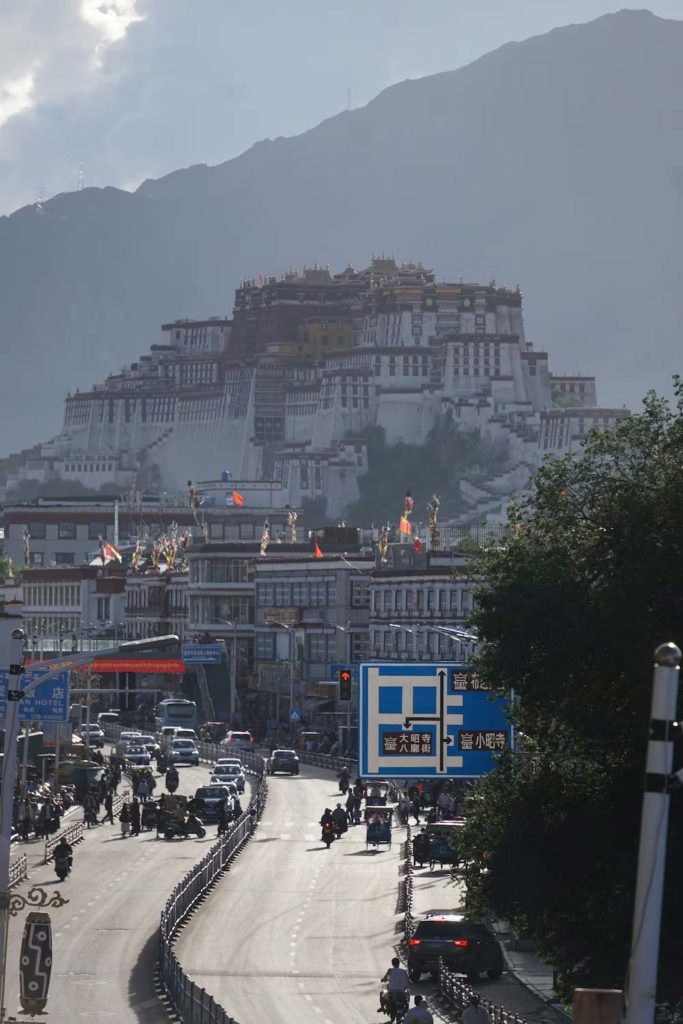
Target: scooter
(343,783)
(62,867)
(171,781)
(191,827)
(395,1007)
(328,834)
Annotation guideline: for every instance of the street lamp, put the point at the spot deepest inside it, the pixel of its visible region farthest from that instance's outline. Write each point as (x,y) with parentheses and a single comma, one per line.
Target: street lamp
(233,666)
(290,630)
(15,693)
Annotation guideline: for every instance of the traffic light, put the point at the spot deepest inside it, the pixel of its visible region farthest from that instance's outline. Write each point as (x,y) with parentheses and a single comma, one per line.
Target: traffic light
(345,684)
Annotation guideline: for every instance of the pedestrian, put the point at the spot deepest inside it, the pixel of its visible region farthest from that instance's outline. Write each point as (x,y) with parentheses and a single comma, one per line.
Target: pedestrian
(474,1013)
(237,811)
(222,817)
(415,809)
(349,804)
(418,1014)
(89,810)
(357,800)
(143,790)
(135,817)
(108,808)
(124,818)
(44,815)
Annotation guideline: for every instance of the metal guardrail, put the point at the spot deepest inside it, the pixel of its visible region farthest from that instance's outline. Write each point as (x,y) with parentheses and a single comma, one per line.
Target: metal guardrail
(458,993)
(18,870)
(192,1003)
(72,834)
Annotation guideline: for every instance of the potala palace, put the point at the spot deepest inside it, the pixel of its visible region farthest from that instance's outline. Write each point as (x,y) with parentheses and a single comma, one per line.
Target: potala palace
(285,390)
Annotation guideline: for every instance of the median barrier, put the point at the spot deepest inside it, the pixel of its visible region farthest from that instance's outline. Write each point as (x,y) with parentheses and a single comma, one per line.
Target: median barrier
(72,834)
(192,1003)
(18,870)
(457,993)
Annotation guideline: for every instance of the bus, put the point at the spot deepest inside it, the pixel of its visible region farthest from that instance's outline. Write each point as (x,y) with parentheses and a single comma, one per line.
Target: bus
(177,712)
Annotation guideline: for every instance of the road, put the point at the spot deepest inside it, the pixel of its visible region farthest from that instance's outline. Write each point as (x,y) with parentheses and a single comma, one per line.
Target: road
(104,940)
(296,932)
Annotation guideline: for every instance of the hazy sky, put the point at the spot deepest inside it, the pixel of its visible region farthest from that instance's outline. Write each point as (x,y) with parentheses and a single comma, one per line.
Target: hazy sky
(115,91)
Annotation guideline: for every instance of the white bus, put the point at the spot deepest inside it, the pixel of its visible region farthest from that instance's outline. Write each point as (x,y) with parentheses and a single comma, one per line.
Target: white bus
(175,712)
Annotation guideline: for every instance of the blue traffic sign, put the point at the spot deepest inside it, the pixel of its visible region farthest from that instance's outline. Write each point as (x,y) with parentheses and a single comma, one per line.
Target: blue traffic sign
(201,654)
(294,714)
(48,702)
(422,718)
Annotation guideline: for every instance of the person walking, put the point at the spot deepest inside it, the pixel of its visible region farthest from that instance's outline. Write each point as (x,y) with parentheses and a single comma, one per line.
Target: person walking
(474,1013)
(124,818)
(418,1014)
(89,810)
(135,817)
(222,817)
(415,808)
(108,808)
(143,790)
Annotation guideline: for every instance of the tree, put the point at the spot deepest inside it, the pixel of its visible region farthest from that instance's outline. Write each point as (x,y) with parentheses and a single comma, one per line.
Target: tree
(590,583)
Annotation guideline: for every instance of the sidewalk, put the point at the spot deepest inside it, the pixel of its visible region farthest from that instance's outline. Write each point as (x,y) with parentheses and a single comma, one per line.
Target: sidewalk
(434,892)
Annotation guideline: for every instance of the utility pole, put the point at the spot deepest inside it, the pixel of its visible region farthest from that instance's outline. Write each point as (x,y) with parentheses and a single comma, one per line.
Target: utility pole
(647,914)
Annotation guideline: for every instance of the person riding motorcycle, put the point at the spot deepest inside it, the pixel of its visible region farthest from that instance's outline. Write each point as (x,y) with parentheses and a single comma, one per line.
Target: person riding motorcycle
(340,820)
(63,854)
(343,780)
(396,995)
(327,825)
(172,780)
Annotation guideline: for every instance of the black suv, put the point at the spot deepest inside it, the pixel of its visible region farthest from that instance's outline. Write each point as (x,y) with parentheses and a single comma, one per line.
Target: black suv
(466,946)
(283,761)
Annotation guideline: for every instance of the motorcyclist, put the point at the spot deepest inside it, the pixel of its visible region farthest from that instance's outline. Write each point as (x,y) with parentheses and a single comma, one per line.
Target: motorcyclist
(343,780)
(172,779)
(63,852)
(327,818)
(340,819)
(396,979)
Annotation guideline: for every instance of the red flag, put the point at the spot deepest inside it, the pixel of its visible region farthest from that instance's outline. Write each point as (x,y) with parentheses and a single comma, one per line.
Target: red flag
(237,498)
(317,553)
(417,544)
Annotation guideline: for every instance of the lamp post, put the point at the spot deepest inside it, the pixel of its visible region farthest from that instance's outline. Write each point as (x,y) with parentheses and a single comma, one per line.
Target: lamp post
(15,692)
(290,630)
(233,667)
(346,630)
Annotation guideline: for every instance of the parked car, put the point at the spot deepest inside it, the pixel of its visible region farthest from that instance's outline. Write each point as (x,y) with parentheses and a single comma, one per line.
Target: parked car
(283,761)
(466,946)
(138,755)
(93,735)
(209,797)
(183,752)
(238,740)
(124,741)
(231,773)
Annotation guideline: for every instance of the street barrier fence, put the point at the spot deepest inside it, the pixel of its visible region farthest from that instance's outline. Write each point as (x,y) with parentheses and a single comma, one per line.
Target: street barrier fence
(192,1003)
(72,834)
(18,870)
(458,993)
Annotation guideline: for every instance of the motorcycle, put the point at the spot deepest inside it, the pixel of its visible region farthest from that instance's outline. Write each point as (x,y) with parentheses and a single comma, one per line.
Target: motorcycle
(340,827)
(63,866)
(328,834)
(171,781)
(191,827)
(395,1005)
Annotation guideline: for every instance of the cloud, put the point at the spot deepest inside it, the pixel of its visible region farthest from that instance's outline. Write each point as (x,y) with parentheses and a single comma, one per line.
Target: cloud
(16,96)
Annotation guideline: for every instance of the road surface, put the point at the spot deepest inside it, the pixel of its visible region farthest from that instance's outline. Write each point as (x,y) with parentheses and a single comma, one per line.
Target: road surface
(105,938)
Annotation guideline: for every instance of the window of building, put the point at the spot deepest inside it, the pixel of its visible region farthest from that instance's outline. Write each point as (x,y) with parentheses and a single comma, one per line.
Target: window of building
(264,595)
(36,558)
(66,531)
(317,647)
(360,594)
(265,646)
(360,646)
(282,596)
(37,530)
(216,531)
(97,530)
(317,595)
(64,558)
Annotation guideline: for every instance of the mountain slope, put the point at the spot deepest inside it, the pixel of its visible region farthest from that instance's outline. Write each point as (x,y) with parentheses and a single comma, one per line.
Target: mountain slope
(556,163)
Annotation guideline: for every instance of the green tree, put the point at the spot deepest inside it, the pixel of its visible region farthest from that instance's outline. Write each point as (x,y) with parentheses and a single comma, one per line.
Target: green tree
(574,606)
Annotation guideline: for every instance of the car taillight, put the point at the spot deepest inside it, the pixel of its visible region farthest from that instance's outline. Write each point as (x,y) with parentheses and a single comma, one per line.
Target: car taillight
(461,943)
(414,942)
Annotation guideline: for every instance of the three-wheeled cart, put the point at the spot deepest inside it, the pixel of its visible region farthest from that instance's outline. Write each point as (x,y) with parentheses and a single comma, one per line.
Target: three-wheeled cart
(377,793)
(443,842)
(378,825)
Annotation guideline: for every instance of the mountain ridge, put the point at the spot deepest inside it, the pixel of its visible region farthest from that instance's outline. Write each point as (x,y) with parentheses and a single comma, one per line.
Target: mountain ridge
(515,166)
